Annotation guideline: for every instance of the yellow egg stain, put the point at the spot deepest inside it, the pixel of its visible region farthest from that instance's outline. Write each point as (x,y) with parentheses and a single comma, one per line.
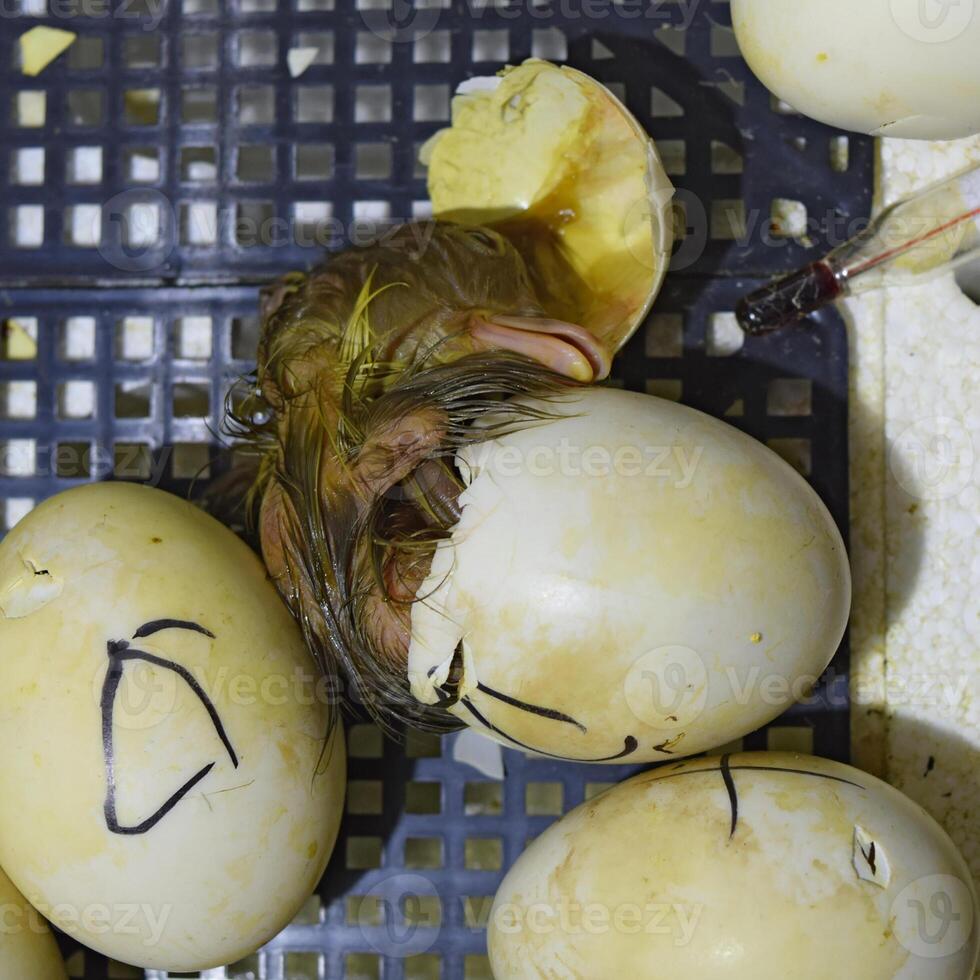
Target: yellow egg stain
(823,56)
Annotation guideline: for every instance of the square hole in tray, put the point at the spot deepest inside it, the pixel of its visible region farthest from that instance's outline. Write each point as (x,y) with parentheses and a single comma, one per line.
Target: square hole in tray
(18,399)
(543,799)
(434,47)
(86,107)
(314,161)
(490,45)
(133,399)
(423,852)
(476,966)
(362,966)
(87,53)
(483,799)
(18,338)
(257,49)
(363,853)
(190,461)
(191,399)
(142,50)
(365,796)
(18,457)
(255,163)
(321,40)
(199,164)
(313,103)
(27,166)
(253,222)
(423,966)
(29,108)
(134,338)
(256,105)
(372,161)
(199,106)
(76,399)
(141,106)
(26,223)
(76,341)
(244,344)
(198,223)
(199,51)
(132,461)
(422,911)
(84,165)
(423,797)
(141,164)
(193,337)
(73,460)
(370,49)
(431,103)
(665,335)
(372,104)
(83,225)
(789,396)
(484,853)
(299,965)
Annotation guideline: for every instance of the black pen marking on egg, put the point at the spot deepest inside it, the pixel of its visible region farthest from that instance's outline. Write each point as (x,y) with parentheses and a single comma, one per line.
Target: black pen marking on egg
(629,743)
(535,709)
(726,769)
(119,652)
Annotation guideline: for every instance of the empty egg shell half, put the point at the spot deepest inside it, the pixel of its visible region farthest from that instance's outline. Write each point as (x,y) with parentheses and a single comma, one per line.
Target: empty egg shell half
(552,160)
(27,948)
(629,581)
(902,68)
(755,866)
(164,758)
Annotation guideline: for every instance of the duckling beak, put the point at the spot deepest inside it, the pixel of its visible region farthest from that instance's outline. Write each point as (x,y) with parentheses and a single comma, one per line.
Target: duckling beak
(565,348)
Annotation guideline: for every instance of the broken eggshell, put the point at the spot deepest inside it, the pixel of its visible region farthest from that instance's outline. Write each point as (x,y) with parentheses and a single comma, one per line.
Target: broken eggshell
(632,581)
(27,947)
(551,159)
(755,866)
(884,67)
(164,760)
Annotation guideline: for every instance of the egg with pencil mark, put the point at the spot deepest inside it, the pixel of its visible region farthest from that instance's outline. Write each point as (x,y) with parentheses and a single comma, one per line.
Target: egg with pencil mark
(752,866)
(165,763)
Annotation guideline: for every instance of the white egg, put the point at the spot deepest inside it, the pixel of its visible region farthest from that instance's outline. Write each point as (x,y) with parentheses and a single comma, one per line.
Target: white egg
(633,580)
(907,68)
(27,948)
(756,866)
(166,795)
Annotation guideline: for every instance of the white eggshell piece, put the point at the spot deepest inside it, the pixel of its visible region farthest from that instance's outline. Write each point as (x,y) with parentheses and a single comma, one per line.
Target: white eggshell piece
(632,574)
(163,762)
(737,868)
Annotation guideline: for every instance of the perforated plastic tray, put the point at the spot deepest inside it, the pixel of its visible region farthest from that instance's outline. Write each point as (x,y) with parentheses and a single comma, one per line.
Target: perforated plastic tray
(141,323)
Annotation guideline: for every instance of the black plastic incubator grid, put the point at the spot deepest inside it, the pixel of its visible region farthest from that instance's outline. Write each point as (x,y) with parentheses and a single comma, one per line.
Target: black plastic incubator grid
(168,162)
